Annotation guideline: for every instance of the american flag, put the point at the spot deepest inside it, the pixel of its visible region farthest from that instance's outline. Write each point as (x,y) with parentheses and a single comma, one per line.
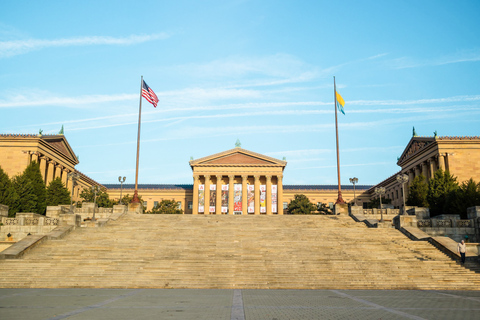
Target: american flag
(148,94)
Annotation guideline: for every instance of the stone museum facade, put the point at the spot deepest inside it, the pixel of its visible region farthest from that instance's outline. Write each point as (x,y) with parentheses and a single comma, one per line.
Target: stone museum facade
(52,152)
(425,155)
(239,181)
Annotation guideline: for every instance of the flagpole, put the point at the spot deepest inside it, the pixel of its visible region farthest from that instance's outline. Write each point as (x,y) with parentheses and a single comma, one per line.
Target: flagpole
(339,199)
(135,194)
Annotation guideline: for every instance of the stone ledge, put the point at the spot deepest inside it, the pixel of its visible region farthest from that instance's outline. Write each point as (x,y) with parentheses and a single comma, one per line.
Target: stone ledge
(359,217)
(21,247)
(449,247)
(415,234)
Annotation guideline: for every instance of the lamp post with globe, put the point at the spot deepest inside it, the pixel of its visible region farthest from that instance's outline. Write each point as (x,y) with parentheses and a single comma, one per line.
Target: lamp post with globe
(402,179)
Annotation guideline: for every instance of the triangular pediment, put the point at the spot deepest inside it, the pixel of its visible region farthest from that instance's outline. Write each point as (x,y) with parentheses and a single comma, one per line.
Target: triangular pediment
(59,142)
(415,146)
(237,157)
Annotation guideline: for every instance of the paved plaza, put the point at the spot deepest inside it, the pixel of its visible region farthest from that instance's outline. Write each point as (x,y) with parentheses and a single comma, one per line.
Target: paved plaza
(83,304)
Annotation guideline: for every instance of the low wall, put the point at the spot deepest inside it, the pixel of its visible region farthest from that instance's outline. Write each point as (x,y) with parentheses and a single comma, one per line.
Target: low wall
(3,210)
(27,223)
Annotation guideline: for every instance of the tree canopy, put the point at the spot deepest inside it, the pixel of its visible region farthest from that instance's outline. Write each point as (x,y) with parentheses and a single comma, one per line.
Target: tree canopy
(102,200)
(417,195)
(301,205)
(33,174)
(439,191)
(8,194)
(57,193)
(166,207)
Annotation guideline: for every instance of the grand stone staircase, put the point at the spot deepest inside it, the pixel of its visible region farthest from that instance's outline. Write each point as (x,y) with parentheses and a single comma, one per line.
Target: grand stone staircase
(264,252)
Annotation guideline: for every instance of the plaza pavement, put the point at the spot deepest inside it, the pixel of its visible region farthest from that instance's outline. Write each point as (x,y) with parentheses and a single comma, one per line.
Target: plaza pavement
(118,304)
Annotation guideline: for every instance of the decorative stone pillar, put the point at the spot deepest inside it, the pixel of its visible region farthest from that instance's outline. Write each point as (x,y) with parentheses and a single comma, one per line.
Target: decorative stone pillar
(257,193)
(417,171)
(196,182)
(58,171)
(280,194)
(448,159)
(244,194)
(269,194)
(218,204)
(441,161)
(43,167)
(64,177)
(231,181)
(430,169)
(207,195)
(424,169)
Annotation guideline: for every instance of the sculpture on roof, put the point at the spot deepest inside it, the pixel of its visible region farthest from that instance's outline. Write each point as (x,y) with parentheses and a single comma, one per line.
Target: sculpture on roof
(40,132)
(414,132)
(61,130)
(238,144)
(435,133)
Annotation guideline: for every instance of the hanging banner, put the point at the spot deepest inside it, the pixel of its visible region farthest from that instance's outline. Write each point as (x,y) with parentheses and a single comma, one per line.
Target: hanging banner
(251,198)
(237,204)
(274,199)
(225,198)
(263,198)
(201,198)
(213,197)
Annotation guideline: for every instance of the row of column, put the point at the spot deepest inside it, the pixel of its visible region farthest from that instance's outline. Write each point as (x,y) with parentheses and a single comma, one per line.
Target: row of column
(50,169)
(273,194)
(428,167)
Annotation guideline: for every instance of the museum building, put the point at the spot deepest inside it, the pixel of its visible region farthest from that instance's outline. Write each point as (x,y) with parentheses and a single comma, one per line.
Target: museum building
(239,181)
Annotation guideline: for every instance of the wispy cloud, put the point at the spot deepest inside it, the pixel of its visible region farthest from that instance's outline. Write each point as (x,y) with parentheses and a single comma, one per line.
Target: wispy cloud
(16,47)
(458,57)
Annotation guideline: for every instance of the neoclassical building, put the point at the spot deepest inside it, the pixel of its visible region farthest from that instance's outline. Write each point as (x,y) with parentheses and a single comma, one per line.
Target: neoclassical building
(239,181)
(425,155)
(52,152)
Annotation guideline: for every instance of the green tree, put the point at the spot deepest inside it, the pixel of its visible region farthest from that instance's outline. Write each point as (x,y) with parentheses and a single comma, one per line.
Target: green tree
(57,193)
(26,192)
(323,208)
(417,195)
(8,194)
(375,203)
(166,207)
(32,173)
(301,205)
(126,199)
(439,191)
(103,200)
(464,197)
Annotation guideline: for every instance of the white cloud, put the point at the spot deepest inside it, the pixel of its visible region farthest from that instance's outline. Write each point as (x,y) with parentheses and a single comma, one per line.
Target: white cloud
(16,47)
(458,57)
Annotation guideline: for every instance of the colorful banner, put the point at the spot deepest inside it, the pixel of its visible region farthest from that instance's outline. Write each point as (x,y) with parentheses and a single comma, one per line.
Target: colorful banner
(263,198)
(213,197)
(237,196)
(251,198)
(274,199)
(201,198)
(225,198)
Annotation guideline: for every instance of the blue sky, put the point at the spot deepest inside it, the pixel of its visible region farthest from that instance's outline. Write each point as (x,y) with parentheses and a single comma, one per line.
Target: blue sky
(258,71)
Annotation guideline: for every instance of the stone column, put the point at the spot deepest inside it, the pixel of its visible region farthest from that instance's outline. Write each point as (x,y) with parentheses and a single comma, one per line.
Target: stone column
(244,194)
(43,167)
(64,177)
(196,182)
(50,172)
(280,194)
(231,181)
(207,195)
(58,171)
(417,171)
(441,161)
(448,159)
(257,194)
(269,194)
(424,169)
(431,169)
(218,204)
(36,157)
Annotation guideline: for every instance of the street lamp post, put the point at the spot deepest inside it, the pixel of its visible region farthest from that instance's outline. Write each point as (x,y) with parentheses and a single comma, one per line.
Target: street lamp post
(94,190)
(121,186)
(402,179)
(380,191)
(354,180)
(74,176)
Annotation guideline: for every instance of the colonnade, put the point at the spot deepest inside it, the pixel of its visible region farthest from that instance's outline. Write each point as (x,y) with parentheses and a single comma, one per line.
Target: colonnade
(50,169)
(237,194)
(428,167)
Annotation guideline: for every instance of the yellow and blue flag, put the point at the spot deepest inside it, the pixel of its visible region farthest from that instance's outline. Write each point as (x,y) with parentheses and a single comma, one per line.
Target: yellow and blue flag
(340,102)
